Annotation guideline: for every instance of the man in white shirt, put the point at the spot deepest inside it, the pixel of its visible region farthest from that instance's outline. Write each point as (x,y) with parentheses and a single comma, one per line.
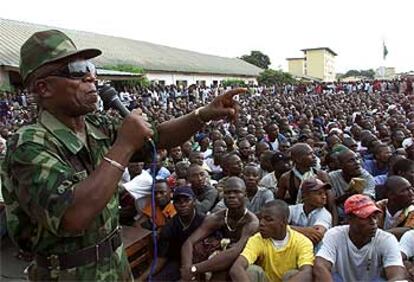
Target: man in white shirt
(311,218)
(280,164)
(140,183)
(407,252)
(359,251)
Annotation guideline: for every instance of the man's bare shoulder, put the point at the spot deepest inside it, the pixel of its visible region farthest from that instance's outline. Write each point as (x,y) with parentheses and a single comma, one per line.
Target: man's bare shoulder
(217,217)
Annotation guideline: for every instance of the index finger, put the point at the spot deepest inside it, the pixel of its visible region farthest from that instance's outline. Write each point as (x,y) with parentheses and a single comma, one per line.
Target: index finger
(236,91)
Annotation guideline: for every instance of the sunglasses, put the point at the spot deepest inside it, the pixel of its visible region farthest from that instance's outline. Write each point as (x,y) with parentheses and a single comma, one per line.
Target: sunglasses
(75,70)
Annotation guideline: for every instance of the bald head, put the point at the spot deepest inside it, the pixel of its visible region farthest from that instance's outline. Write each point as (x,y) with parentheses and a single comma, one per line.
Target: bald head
(344,155)
(278,208)
(235,181)
(395,184)
(300,149)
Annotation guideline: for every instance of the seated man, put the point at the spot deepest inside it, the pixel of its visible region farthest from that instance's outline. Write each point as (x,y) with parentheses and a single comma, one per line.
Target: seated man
(349,180)
(198,158)
(380,164)
(206,196)
(214,162)
(304,160)
(140,182)
(407,252)
(311,218)
(173,236)
(232,166)
(161,172)
(277,250)
(359,251)
(256,196)
(179,177)
(279,164)
(397,215)
(164,207)
(235,223)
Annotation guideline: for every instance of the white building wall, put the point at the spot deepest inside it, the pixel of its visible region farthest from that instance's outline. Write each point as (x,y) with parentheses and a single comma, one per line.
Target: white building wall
(329,67)
(172,78)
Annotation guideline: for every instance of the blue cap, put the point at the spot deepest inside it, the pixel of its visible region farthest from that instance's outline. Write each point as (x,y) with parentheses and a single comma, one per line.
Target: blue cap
(183,191)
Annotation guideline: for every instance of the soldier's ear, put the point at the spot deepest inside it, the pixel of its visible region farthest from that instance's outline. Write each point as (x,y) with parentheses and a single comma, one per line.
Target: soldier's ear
(42,88)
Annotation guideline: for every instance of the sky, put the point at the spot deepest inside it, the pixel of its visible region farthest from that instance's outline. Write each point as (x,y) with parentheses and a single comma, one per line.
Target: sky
(354,29)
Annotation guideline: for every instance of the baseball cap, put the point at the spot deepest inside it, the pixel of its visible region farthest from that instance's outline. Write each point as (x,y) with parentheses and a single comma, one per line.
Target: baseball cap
(314,184)
(183,191)
(49,46)
(360,205)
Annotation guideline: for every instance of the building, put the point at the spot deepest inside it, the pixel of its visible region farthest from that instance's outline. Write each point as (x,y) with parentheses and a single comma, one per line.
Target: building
(318,63)
(296,66)
(387,73)
(163,64)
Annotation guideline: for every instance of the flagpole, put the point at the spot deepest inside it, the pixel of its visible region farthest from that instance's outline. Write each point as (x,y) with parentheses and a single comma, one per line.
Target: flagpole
(384,55)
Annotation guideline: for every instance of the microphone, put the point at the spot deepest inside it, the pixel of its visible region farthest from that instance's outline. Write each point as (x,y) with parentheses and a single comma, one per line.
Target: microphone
(111,100)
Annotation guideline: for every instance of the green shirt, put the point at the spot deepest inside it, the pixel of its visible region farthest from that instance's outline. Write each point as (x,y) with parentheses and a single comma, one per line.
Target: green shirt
(44,163)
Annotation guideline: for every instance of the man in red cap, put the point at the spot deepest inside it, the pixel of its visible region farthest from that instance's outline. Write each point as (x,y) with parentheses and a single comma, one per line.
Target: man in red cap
(311,218)
(359,251)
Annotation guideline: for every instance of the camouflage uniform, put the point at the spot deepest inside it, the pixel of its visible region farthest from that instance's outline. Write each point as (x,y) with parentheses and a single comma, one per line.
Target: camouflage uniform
(44,163)
(39,180)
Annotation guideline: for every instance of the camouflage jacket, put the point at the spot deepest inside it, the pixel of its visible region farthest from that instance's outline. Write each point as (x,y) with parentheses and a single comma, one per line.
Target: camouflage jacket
(43,164)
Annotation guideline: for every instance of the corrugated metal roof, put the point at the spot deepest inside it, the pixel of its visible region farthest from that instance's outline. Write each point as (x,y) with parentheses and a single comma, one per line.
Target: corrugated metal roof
(117,50)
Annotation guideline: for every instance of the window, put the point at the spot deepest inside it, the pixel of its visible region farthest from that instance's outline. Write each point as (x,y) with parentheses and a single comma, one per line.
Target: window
(201,82)
(182,83)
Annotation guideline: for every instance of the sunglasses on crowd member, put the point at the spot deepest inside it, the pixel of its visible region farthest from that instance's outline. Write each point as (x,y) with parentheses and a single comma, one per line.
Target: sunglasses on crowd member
(75,70)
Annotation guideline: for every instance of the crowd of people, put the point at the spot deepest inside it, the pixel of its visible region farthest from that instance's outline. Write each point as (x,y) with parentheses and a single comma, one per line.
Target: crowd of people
(304,185)
(308,182)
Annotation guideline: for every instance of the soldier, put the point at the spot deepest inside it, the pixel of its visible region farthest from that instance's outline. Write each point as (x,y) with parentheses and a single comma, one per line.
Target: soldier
(61,173)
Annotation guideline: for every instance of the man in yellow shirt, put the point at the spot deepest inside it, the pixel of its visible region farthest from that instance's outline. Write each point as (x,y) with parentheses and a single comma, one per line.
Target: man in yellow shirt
(278,252)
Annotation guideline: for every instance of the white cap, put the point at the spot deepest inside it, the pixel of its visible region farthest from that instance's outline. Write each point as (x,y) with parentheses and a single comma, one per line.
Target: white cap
(407,143)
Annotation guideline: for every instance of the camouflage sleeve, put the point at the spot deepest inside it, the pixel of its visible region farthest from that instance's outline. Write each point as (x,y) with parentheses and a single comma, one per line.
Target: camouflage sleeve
(43,184)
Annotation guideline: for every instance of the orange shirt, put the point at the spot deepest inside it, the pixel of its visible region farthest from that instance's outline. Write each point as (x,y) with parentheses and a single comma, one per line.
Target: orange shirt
(161,216)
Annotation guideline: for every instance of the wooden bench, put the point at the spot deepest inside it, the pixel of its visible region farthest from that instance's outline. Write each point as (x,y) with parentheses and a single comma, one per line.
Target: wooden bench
(138,246)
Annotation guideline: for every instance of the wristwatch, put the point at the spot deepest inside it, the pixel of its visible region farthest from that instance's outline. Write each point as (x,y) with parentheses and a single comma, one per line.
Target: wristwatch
(193,269)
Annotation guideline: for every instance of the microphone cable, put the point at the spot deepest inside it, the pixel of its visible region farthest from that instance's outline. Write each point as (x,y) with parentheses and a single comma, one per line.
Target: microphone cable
(153,170)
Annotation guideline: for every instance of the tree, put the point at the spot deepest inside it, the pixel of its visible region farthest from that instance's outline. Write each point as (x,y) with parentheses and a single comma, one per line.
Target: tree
(258,59)
(352,73)
(271,77)
(140,81)
(233,83)
(368,73)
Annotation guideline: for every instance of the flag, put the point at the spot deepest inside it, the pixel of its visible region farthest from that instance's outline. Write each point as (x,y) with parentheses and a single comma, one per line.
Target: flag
(385,51)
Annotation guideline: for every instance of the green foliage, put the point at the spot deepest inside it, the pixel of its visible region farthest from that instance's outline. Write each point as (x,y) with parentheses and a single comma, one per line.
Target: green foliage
(233,83)
(257,58)
(366,73)
(271,77)
(141,81)
(6,87)
(125,68)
